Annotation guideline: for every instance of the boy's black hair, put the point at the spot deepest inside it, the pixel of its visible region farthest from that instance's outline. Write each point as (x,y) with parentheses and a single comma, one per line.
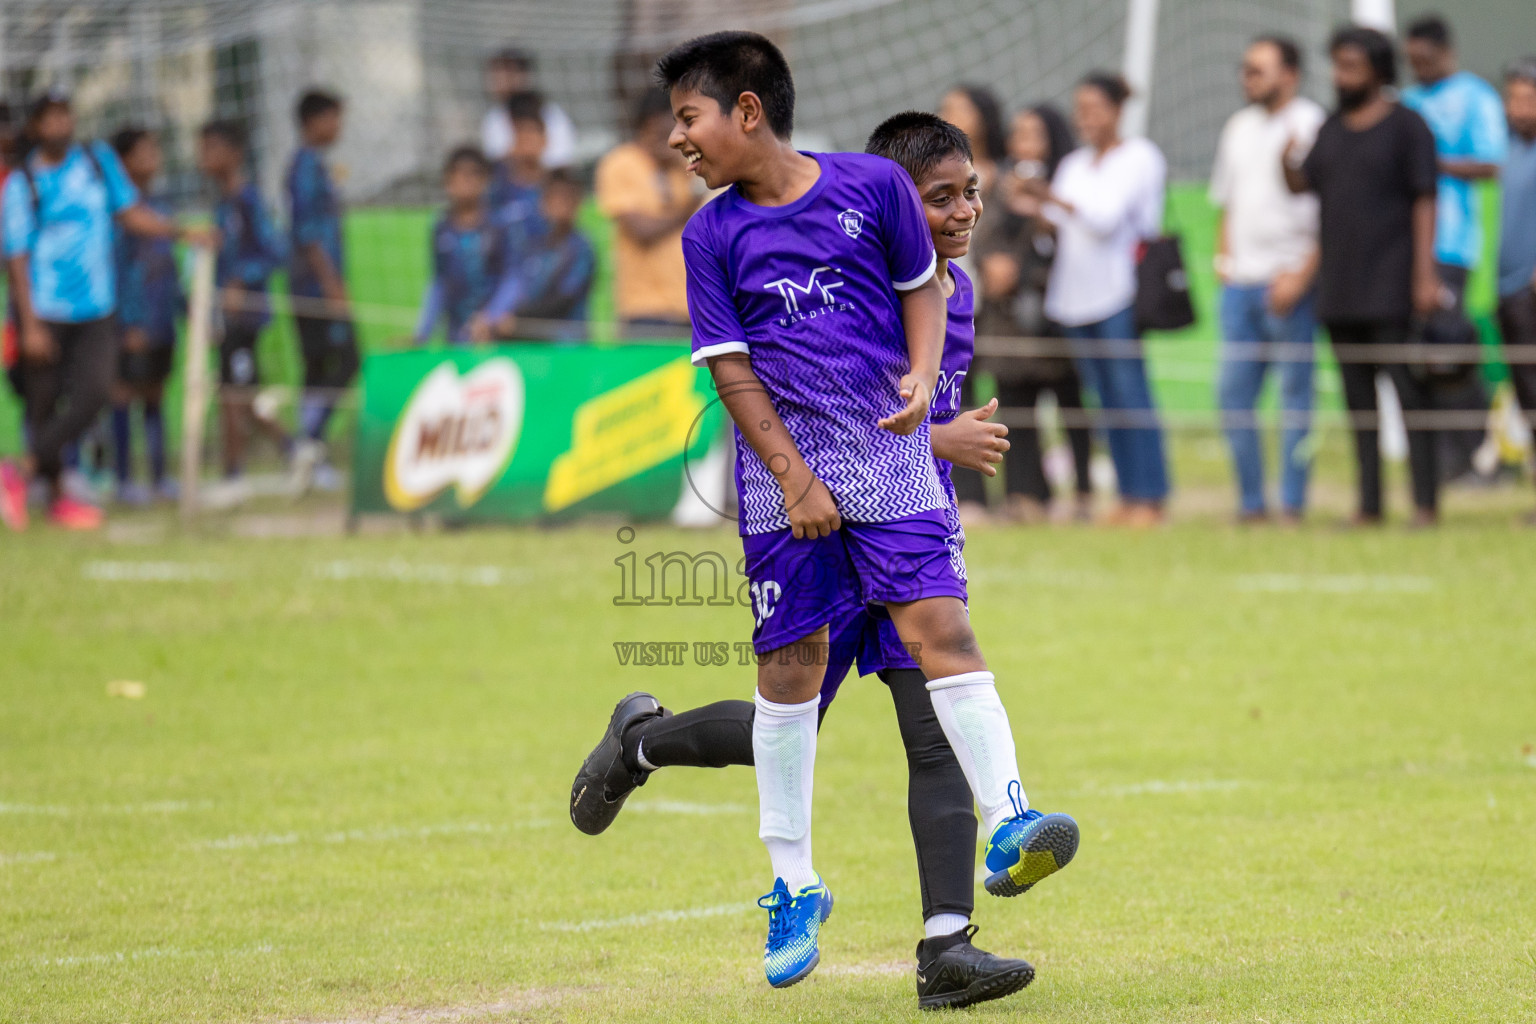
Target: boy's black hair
(650,103)
(1114,86)
(46,101)
(562,177)
(526,106)
(231,133)
(1521,70)
(918,141)
(1431,28)
(124,139)
(723,65)
(1290,53)
(512,57)
(1378,49)
(467,154)
(993,141)
(315,102)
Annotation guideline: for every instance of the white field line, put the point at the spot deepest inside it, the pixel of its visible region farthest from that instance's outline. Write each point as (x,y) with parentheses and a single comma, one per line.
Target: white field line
(35,857)
(155,953)
(1325,583)
(886,969)
(151,572)
(401,571)
(684,807)
(152,807)
(384,834)
(653,917)
(521,1004)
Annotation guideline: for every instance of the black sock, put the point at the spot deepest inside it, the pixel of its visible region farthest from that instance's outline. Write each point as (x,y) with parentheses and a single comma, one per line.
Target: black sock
(939,802)
(712,736)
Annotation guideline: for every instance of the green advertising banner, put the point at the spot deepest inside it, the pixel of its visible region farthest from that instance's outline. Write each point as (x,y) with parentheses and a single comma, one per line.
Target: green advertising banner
(528,432)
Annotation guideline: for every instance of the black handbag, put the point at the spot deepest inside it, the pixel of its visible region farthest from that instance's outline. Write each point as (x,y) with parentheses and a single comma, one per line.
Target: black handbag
(1162,286)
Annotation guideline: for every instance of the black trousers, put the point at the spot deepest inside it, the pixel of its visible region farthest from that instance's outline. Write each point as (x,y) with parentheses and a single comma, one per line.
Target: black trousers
(939,805)
(329,348)
(1024,462)
(1460,392)
(1359,379)
(64,396)
(1517,324)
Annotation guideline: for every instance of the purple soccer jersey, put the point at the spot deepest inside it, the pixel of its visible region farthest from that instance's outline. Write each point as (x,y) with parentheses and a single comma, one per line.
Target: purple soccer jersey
(882,647)
(809,292)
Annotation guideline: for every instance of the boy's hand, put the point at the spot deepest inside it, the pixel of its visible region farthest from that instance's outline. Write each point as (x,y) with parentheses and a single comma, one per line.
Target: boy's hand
(36,341)
(135,340)
(812,512)
(479,329)
(199,237)
(918,394)
(970,441)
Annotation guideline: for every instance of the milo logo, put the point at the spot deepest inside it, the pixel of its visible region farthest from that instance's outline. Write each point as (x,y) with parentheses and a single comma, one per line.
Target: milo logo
(455,431)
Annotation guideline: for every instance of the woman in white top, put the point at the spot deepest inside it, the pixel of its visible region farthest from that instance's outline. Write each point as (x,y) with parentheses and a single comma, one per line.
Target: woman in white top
(1106,198)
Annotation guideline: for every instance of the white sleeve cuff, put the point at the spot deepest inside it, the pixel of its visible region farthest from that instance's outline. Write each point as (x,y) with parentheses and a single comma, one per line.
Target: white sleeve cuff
(920,279)
(702,355)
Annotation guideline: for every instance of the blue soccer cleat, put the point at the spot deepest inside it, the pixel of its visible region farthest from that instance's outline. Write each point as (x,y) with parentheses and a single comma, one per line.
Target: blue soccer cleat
(794,923)
(1027,847)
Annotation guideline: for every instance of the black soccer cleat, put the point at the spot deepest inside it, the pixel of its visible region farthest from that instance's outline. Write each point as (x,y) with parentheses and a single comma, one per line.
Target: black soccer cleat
(605,782)
(953,973)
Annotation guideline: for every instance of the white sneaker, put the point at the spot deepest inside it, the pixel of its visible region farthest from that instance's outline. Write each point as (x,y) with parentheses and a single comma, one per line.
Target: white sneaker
(307,456)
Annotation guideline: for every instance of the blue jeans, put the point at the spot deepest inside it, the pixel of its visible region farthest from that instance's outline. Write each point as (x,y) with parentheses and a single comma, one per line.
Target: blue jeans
(1247,321)
(1118,376)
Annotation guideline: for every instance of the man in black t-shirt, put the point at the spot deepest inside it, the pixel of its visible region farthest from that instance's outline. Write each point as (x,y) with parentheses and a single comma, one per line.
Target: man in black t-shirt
(1374,170)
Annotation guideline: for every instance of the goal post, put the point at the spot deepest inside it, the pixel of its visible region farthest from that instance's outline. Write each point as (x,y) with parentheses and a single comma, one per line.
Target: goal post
(195,387)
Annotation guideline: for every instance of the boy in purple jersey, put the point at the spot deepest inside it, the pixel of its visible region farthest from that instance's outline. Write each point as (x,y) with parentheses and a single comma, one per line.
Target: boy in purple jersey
(814,302)
(951,971)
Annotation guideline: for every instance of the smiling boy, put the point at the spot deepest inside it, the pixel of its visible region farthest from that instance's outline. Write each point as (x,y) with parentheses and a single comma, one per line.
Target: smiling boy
(951,971)
(815,303)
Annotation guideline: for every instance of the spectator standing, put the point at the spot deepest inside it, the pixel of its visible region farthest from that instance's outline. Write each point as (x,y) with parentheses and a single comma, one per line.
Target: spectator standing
(317,282)
(1374,171)
(1267,262)
(1106,199)
(507,73)
(1467,119)
(473,283)
(517,179)
(60,209)
(250,251)
(556,273)
(149,301)
(1517,237)
(643,186)
(1015,267)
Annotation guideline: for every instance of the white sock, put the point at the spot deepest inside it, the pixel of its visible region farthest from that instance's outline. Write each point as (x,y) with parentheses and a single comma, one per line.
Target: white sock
(784,748)
(976,725)
(944,924)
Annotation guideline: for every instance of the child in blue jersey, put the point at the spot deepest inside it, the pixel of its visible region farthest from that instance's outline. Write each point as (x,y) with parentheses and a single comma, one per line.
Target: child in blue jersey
(517,178)
(474,283)
(149,302)
(557,268)
(317,278)
(951,971)
(250,251)
(815,303)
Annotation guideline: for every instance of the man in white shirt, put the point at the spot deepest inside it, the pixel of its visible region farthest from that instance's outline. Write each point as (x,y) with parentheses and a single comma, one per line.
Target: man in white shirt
(1267,256)
(507,73)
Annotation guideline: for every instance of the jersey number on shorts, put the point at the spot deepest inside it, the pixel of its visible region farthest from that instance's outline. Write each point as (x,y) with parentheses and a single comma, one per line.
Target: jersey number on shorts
(764,596)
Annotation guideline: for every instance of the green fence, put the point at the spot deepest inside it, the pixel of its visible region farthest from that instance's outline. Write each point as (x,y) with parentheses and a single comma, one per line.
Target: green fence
(389,265)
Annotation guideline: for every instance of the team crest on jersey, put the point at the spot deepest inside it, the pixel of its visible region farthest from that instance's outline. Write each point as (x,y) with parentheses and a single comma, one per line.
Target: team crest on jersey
(852,222)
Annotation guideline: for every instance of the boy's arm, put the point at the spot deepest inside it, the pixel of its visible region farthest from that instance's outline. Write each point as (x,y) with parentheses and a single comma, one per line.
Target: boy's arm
(720,341)
(431,311)
(924,317)
(812,512)
(912,264)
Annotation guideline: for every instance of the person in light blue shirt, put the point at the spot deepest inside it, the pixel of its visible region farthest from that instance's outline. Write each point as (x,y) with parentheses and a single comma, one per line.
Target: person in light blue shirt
(60,208)
(1467,119)
(1517,237)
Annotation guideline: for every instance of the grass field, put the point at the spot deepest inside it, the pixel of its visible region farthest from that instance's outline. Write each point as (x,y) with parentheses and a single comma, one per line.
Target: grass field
(1305,766)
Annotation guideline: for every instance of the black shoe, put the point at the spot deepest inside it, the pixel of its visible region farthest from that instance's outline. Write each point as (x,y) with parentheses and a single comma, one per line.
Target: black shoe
(605,781)
(952,973)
